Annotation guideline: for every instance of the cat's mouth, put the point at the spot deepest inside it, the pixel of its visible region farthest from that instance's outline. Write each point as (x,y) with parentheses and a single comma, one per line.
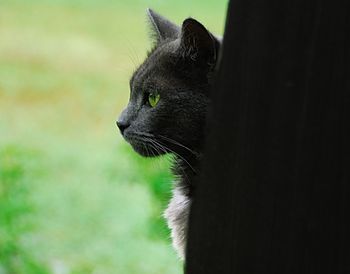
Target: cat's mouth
(146,144)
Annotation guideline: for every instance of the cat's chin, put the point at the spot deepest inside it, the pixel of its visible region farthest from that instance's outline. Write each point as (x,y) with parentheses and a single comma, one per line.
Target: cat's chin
(146,151)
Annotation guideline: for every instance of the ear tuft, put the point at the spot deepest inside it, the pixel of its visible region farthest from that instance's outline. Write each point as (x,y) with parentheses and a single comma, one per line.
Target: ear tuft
(161,27)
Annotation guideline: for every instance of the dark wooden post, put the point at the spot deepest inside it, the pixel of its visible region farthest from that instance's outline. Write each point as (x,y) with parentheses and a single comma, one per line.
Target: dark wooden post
(275,190)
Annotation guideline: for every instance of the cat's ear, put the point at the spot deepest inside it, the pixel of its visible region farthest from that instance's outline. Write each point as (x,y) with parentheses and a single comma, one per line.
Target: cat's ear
(197,42)
(162,28)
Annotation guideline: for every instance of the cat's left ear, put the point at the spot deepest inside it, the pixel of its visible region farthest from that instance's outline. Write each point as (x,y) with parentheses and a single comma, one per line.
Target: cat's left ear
(197,42)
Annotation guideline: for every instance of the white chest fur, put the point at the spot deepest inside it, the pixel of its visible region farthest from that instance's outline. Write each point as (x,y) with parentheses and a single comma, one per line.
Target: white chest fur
(177,215)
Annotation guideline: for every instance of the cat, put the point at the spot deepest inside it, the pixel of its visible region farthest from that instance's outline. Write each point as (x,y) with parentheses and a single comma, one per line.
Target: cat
(168,105)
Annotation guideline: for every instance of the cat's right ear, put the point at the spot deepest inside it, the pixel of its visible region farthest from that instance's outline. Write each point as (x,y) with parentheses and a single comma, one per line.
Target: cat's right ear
(161,27)
(198,43)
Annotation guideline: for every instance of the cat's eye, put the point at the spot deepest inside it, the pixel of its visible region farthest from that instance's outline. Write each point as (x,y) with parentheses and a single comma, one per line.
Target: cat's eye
(153,99)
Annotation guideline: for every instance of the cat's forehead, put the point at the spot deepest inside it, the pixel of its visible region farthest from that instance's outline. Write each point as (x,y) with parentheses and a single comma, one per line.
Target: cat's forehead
(158,68)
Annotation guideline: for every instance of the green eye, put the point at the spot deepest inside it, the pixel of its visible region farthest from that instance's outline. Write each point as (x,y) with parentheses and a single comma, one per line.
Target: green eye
(153,99)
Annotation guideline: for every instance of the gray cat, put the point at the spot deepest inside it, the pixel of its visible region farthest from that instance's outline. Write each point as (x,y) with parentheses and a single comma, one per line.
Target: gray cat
(166,113)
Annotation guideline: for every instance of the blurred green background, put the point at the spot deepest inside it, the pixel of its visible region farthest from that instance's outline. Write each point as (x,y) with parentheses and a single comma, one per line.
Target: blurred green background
(74,197)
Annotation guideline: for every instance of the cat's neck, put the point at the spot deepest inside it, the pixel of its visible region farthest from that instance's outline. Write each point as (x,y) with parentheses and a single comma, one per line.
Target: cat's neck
(186,170)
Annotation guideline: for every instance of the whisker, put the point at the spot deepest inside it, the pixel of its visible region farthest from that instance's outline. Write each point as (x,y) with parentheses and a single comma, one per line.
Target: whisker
(165,149)
(179,144)
(150,138)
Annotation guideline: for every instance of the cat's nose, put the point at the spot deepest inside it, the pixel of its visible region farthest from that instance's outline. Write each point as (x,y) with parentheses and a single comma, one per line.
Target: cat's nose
(122,126)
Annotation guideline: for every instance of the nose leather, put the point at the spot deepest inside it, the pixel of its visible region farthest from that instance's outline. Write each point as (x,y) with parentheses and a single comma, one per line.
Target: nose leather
(122,126)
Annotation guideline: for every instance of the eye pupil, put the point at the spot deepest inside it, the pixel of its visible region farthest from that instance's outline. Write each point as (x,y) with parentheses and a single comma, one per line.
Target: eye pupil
(153,99)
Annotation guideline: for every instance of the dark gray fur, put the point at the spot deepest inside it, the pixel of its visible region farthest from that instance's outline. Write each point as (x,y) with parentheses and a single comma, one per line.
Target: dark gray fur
(179,68)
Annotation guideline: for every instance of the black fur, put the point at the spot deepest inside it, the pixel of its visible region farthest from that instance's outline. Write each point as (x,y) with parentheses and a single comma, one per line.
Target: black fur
(179,68)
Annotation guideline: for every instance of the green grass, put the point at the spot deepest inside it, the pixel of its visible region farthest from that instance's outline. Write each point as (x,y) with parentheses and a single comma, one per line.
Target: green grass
(18,167)
(74,197)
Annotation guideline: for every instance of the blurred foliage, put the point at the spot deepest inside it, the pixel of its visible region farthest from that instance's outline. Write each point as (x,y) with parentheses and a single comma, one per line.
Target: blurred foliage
(15,205)
(74,197)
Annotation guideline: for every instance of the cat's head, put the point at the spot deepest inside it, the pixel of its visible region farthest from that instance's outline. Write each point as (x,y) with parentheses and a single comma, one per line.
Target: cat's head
(169,92)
